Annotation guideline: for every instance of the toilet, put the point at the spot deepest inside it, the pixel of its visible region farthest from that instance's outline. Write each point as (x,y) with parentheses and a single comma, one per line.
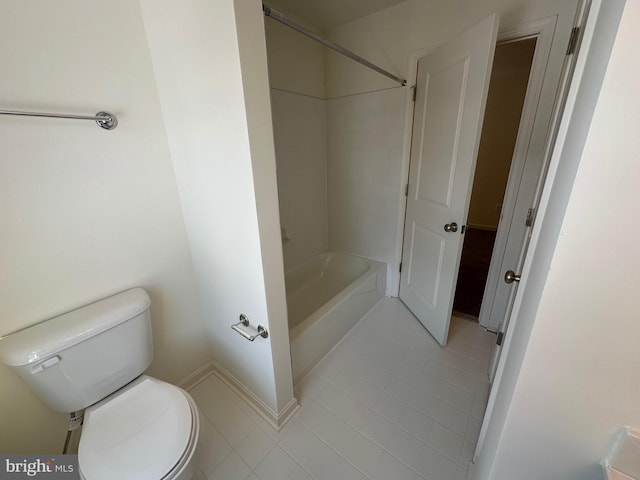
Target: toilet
(92,359)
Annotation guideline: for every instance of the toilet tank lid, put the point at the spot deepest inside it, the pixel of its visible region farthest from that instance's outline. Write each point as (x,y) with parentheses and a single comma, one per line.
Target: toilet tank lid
(59,333)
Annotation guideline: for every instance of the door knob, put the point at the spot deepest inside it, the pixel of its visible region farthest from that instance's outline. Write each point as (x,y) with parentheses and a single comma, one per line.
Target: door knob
(451,227)
(510,276)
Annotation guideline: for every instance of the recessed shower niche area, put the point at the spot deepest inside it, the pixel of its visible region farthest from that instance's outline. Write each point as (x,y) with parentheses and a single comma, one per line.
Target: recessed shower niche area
(339,185)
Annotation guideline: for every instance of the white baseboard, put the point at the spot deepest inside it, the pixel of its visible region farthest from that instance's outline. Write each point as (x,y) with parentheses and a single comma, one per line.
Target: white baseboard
(196,377)
(276,420)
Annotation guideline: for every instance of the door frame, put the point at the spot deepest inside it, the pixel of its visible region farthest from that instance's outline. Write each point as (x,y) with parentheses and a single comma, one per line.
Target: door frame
(544,26)
(562,110)
(542,30)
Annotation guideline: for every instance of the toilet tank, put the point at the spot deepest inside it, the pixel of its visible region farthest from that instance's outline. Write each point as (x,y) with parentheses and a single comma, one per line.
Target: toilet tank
(76,359)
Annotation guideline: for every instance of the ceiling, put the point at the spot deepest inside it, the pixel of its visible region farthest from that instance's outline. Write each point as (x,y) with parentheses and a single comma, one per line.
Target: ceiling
(326,14)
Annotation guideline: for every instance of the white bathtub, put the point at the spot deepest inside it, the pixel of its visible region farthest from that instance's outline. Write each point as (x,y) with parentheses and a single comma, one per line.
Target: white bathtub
(326,296)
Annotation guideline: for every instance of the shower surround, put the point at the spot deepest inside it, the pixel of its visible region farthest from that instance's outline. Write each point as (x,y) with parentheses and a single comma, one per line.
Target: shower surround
(339,173)
(340,187)
(364,157)
(299,129)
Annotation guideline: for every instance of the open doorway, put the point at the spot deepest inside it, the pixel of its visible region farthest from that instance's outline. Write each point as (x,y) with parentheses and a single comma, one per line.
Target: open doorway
(441,179)
(505,102)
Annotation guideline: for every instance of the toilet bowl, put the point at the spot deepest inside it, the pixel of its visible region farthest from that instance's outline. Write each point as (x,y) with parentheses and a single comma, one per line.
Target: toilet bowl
(135,427)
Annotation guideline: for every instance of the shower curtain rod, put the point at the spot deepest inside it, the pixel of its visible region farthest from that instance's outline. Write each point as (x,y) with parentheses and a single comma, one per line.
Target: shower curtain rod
(279,17)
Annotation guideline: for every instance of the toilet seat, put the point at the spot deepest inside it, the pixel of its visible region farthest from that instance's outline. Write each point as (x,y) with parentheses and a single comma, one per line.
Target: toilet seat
(146,431)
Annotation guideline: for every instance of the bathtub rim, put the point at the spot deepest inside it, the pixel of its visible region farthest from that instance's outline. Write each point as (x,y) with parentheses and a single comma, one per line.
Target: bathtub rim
(374,267)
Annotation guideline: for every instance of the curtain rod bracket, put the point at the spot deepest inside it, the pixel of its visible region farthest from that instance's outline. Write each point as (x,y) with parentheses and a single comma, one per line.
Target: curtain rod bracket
(110,121)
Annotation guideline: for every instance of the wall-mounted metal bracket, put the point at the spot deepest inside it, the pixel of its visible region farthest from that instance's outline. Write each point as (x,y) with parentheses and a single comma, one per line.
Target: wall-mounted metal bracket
(244,322)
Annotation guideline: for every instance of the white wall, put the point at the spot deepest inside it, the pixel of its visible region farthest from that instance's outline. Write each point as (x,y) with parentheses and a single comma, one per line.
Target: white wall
(210,66)
(299,127)
(365,135)
(570,378)
(86,212)
(255,83)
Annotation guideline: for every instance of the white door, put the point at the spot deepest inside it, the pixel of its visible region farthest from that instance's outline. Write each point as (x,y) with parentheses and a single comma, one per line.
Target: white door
(512,282)
(452,86)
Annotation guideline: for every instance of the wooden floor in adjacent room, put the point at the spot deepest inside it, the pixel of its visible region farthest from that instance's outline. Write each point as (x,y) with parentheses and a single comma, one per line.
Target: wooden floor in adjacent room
(474,268)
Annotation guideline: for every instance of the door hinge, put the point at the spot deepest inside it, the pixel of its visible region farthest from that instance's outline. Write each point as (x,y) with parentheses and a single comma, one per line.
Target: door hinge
(529,221)
(415,92)
(500,337)
(406,190)
(400,269)
(573,40)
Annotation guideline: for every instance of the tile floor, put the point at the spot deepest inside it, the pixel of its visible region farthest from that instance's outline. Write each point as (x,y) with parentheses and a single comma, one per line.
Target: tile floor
(387,403)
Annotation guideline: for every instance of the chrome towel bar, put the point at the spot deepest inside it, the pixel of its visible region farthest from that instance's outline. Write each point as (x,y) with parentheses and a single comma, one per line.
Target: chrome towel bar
(244,322)
(106,120)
